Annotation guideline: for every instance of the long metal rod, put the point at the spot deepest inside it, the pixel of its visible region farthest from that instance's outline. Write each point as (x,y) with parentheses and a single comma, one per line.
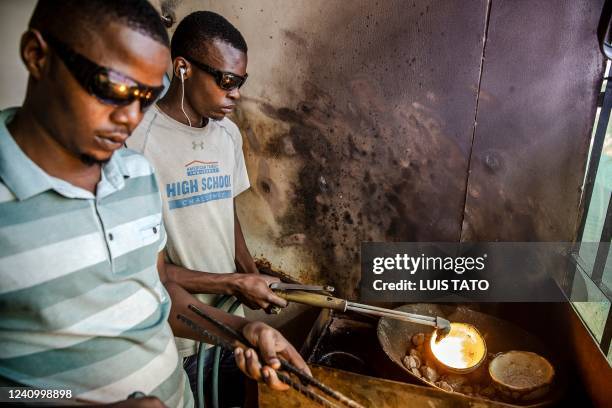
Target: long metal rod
(435,321)
(389,312)
(218,341)
(392,316)
(304,378)
(326,301)
(230,331)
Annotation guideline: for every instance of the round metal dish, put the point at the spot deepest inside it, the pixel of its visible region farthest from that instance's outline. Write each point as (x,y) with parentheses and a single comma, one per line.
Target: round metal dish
(395,336)
(521,375)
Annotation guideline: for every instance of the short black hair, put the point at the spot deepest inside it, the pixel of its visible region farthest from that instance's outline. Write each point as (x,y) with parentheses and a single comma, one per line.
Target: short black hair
(199,29)
(67,19)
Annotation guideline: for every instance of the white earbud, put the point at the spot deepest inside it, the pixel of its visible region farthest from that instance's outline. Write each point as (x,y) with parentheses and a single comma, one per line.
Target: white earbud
(182,71)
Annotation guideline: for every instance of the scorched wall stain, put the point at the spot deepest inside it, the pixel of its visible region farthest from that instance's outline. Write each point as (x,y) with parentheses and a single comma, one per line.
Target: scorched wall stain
(364,135)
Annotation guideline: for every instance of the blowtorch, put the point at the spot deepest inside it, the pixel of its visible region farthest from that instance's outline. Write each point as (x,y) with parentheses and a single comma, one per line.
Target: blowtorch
(312,295)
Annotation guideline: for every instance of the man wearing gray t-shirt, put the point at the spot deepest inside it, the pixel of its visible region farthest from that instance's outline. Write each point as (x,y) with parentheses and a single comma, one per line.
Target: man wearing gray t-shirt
(197,154)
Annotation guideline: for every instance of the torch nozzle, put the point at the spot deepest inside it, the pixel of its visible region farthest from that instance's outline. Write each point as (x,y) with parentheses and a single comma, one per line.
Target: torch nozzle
(443,328)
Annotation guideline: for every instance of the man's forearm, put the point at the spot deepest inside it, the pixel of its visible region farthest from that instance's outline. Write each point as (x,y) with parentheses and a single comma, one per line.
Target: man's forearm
(202,282)
(269,342)
(181,299)
(252,289)
(243,258)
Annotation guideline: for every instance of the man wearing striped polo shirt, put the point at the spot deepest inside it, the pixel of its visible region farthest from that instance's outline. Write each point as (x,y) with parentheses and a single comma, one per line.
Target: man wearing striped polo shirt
(82,306)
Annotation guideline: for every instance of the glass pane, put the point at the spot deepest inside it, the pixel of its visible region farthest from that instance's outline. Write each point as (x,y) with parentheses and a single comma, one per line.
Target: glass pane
(607,275)
(594,312)
(596,213)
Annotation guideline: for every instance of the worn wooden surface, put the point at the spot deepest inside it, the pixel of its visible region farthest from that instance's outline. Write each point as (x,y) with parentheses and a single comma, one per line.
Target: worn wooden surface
(371,392)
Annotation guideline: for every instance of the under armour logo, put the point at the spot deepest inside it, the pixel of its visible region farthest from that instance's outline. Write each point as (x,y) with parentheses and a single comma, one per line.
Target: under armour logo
(196,144)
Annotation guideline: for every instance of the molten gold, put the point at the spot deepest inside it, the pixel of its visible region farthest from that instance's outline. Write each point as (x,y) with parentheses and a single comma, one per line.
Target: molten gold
(462,350)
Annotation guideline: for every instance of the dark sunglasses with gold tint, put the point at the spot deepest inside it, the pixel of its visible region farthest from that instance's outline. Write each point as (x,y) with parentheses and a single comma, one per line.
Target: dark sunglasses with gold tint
(107,85)
(225,80)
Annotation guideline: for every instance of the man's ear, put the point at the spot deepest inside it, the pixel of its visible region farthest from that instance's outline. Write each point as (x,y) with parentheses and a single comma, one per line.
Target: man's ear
(34,52)
(177,64)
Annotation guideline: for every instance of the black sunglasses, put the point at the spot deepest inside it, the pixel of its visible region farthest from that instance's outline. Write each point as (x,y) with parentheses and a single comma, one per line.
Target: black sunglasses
(226,80)
(107,85)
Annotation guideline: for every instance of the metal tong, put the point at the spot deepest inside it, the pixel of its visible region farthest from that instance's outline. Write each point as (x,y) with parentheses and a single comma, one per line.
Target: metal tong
(241,341)
(310,295)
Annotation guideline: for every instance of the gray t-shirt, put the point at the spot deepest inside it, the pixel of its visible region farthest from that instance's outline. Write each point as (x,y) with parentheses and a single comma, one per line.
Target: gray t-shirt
(199,171)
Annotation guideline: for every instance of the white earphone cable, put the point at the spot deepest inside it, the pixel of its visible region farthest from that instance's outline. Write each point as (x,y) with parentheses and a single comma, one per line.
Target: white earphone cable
(183,97)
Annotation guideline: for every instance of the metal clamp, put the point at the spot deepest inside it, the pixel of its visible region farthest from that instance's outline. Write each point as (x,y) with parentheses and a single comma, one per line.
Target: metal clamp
(305,288)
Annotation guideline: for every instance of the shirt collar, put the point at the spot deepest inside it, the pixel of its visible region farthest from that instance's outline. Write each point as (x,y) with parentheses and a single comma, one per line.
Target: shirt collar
(26,179)
(20,174)
(113,174)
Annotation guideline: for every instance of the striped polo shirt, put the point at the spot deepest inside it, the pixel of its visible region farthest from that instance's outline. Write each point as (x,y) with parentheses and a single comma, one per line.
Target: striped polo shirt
(81,303)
